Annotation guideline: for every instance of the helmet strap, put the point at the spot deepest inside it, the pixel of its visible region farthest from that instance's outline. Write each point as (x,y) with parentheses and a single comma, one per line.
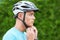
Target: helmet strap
(24,20)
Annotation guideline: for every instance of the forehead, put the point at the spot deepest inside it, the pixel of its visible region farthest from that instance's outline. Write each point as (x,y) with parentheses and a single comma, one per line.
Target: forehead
(30,12)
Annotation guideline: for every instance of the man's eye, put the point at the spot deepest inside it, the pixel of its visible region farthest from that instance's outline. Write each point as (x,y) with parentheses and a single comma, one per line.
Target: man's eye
(31,14)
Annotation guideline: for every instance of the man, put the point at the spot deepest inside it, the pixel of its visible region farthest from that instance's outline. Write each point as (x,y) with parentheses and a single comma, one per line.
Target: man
(24,14)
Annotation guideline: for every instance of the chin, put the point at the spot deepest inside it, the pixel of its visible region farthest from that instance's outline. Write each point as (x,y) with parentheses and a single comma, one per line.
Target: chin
(30,25)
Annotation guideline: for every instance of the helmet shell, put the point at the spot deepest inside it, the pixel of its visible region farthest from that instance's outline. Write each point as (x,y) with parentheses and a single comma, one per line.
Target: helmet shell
(24,6)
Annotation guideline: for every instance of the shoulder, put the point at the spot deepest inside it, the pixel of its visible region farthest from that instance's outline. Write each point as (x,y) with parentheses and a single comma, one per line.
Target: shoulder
(9,35)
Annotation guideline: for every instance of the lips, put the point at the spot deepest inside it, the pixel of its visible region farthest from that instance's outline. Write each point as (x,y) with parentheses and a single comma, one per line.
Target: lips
(32,21)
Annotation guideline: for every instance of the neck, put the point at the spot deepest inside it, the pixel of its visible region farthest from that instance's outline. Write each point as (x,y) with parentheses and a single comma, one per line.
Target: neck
(19,25)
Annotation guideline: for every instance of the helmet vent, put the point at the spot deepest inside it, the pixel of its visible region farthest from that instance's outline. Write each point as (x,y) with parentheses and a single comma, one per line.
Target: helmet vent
(24,6)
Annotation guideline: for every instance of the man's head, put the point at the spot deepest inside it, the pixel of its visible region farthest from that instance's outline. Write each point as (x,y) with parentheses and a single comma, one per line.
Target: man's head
(29,17)
(24,11)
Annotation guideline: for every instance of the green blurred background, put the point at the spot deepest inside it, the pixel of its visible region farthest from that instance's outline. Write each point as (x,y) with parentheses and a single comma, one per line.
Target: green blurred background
(47,19)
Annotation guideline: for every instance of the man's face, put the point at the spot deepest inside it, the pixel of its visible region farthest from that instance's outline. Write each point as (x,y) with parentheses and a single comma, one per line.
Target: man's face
(29,18)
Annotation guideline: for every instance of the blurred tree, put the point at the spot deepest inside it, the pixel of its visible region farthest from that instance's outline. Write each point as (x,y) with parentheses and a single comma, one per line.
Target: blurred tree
(47,19)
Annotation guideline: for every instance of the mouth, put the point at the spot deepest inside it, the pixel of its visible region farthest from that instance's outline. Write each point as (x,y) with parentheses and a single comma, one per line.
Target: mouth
(32,21)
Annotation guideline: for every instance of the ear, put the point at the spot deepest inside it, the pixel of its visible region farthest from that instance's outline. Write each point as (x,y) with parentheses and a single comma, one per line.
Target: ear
(20,15)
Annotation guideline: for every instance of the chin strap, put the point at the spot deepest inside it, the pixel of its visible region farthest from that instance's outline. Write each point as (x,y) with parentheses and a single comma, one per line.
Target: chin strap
(24,20)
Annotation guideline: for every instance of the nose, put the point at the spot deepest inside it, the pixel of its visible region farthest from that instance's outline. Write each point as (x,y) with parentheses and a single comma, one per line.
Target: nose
(34,17)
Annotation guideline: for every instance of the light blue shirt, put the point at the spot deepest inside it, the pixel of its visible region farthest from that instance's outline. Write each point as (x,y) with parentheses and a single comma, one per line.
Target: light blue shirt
(14,34)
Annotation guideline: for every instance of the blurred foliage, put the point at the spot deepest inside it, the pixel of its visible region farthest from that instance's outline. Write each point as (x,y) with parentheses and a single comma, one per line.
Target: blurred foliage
(47,19)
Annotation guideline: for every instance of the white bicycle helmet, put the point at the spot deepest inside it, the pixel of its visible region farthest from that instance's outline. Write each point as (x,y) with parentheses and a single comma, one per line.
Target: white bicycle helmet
(24,6)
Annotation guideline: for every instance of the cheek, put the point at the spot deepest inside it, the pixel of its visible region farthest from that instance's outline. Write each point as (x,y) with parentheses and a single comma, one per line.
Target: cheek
(28,22)
(28,19)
